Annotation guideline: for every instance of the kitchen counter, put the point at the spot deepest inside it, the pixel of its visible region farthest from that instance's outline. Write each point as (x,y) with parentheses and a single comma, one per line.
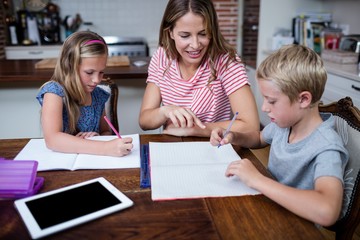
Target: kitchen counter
(350,71)
(20,72)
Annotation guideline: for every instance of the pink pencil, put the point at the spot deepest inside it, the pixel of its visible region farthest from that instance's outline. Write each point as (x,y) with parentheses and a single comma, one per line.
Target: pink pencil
(112,127)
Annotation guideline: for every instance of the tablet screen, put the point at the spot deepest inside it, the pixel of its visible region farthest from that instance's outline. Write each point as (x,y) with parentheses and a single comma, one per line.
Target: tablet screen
(59,209)
(71,204)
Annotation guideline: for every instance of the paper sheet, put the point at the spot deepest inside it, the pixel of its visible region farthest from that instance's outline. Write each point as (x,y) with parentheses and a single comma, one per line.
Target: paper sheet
(49,160)
(193,170)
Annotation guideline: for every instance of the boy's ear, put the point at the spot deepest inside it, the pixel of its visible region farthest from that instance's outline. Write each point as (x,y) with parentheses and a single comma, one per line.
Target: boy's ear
(305,99)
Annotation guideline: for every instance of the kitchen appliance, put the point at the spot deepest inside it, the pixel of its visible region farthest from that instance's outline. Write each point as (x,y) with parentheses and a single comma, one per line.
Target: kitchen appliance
(350,43)
(129,46)
(44,23)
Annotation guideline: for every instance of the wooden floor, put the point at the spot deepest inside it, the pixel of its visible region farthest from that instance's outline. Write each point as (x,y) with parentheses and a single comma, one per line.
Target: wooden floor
(329,235)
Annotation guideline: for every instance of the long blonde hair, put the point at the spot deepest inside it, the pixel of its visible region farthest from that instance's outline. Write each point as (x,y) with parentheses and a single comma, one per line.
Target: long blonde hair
(175,9)
(77,46)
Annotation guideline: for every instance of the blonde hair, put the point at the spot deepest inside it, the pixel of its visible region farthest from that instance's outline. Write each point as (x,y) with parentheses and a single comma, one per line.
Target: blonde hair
(77,46)
(176,9)
(294,69)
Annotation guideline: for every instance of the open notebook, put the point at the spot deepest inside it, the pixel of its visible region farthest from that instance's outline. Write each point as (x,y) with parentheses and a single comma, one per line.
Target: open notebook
(193,170)
(50,160)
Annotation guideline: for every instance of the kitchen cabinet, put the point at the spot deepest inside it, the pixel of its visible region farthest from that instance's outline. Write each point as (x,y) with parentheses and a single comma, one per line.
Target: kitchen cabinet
(32,52)
(343,80)
(338,87)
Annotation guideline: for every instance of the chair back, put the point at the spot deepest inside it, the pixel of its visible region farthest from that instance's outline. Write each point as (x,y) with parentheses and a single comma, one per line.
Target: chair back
(347,124)
(111,105)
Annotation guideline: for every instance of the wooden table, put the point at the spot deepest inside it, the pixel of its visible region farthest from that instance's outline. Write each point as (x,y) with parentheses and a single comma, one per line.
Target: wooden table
(246,217)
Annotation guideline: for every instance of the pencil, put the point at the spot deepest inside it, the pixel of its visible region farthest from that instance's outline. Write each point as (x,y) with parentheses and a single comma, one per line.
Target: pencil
(112,127)
(228,129)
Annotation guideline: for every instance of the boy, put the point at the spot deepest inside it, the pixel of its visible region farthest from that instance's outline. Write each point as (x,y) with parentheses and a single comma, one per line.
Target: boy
(307,157)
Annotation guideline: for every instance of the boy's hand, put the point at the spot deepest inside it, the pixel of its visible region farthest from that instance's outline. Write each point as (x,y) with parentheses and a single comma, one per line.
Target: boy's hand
(217,137)
(245,170)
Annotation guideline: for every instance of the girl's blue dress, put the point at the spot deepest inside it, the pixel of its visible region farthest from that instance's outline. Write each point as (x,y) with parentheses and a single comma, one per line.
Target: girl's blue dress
(89,120)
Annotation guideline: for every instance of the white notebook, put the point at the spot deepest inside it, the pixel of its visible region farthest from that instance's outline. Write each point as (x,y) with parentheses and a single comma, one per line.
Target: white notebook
(193,170)
(36,150)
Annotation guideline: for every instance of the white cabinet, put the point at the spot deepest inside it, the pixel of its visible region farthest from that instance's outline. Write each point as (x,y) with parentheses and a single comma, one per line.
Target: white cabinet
(338,87)
(32,52)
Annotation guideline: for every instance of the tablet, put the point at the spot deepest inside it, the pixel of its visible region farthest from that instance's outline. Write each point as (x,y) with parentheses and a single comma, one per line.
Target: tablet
(56,210)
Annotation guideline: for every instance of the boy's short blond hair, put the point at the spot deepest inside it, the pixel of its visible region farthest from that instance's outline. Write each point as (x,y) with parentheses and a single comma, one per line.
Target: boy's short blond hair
(294,69)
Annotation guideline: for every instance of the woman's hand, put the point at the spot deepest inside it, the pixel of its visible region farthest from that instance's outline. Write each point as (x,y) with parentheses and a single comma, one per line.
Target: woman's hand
(185,131)
(181,117)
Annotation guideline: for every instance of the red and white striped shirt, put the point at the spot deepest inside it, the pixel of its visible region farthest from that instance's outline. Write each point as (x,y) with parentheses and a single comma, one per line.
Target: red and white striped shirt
(209,106)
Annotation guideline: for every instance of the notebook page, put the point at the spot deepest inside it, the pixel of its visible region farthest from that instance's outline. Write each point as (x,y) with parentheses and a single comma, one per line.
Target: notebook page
(36,150)
(87,161)
(181,153)
(193,170)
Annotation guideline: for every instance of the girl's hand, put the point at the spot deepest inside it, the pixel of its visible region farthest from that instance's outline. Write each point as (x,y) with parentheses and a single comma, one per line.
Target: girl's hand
(86,134)
(119,147)
(245,170)
(217,137)
(181,117)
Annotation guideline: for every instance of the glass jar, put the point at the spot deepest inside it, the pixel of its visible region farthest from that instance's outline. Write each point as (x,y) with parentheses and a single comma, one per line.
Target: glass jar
(331,38)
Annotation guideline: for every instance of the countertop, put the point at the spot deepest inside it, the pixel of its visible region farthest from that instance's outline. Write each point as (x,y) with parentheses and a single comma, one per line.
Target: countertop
(350,71)
(24,71)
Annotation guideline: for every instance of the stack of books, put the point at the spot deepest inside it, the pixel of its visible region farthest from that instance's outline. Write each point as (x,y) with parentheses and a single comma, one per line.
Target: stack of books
(308,28)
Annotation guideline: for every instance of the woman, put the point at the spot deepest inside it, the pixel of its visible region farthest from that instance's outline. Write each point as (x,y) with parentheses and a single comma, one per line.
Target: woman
(195,77)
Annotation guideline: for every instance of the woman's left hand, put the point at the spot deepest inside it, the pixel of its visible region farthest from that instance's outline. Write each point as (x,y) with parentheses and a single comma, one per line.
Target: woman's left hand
(171,129)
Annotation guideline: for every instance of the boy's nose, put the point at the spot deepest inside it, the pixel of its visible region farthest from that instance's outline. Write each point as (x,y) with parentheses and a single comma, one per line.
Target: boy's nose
(264,107)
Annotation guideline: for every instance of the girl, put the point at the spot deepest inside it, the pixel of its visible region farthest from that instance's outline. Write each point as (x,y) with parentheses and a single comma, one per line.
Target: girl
(72,104)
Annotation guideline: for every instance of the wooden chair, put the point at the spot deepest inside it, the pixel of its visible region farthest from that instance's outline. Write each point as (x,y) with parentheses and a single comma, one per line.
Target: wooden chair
(347,118)
(111,105)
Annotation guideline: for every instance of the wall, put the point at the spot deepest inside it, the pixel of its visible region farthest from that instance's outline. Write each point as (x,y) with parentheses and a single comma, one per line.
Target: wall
(270,21)
(115,18)
(137,18)
(345,11)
